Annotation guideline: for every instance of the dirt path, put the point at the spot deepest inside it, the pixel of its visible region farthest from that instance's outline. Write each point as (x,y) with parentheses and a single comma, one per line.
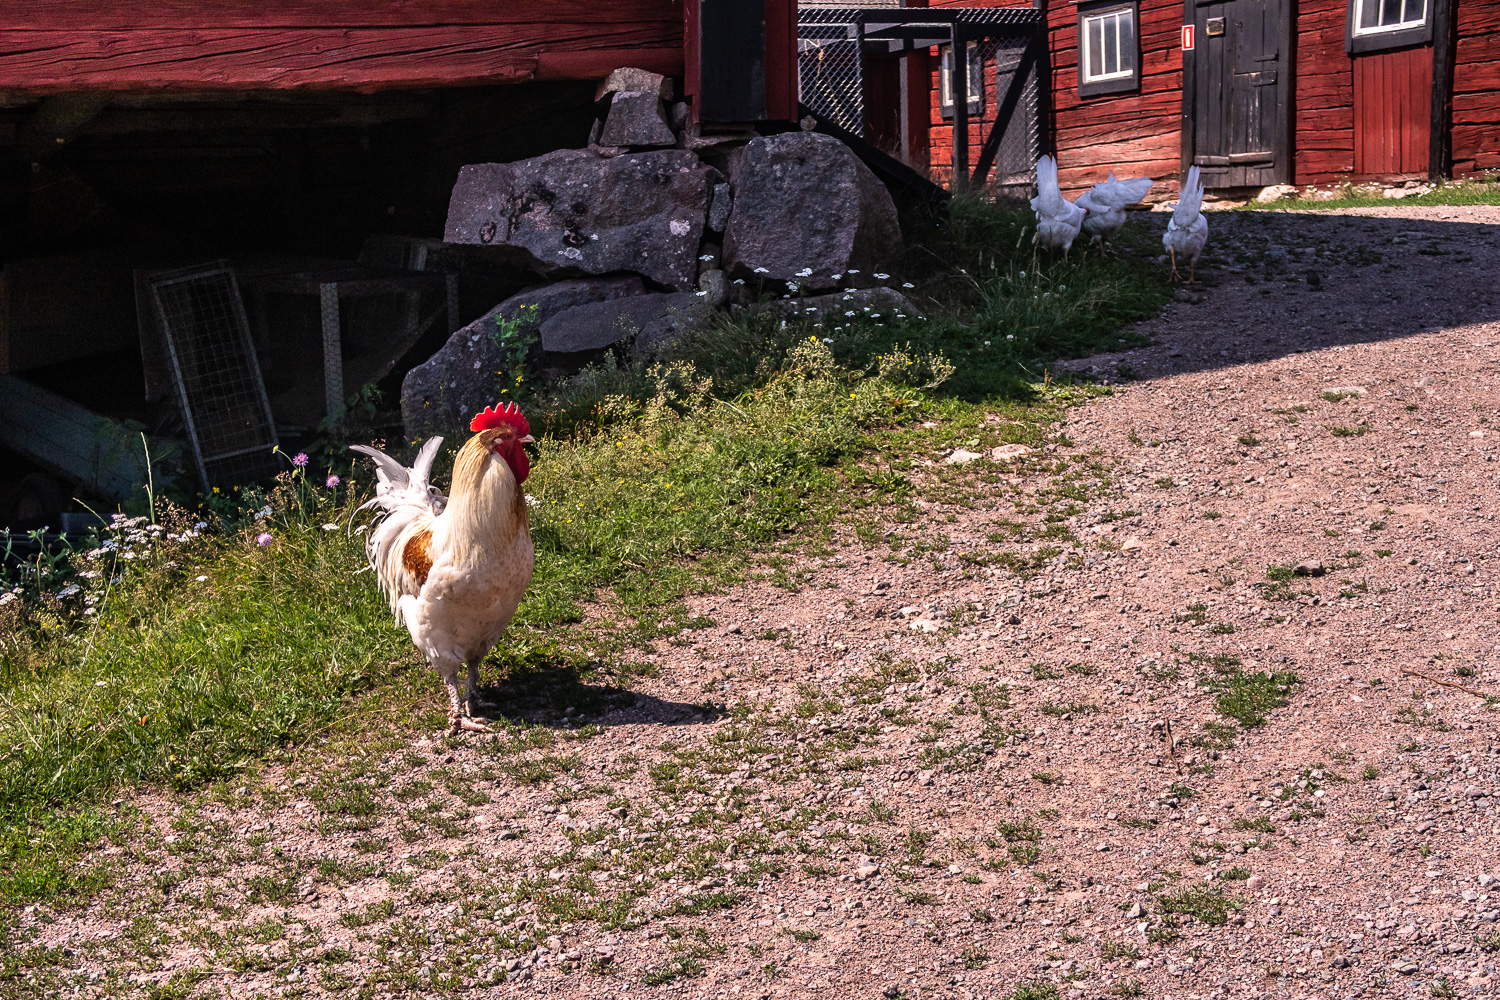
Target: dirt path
(934,777)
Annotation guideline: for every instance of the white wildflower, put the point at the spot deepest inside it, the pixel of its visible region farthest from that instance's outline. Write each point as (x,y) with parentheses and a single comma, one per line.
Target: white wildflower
(836,277)
(330,527)
(827,340)
(907,284)
(201,579)
(532,501)
(69,590)
(806,272)
(849,313)
(881,277)
(762,270)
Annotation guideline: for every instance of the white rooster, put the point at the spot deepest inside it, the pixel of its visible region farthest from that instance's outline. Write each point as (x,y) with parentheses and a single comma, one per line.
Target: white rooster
(1058,220)
(1187,233)
(1105,203)
(455,568)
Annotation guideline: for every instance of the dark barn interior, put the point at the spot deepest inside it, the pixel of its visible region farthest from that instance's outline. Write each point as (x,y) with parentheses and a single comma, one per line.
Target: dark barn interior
(97,190)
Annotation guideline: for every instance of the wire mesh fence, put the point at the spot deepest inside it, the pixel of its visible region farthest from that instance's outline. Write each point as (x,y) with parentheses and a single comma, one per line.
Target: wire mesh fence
(219,387)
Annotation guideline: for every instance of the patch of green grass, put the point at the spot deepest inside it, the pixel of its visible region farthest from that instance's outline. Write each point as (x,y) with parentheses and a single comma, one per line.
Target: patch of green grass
(1477,192)
(1259,824)
(1246,698)
(1034,990)
(1354,431)
(1205,903)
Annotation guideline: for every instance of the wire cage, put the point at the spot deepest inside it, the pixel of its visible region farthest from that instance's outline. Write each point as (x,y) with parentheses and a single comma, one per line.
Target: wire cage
(216,373)
(996,138)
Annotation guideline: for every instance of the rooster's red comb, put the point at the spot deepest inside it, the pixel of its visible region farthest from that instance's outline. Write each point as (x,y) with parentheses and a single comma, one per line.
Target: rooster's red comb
(494,416)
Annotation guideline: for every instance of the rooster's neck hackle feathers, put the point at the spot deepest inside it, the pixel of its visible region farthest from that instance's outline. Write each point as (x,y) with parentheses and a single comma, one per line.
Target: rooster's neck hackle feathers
(486,501)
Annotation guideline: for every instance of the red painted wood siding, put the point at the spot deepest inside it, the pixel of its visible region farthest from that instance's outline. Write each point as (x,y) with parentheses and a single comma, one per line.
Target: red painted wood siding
(51,46)
(1392,112)
(1323,94)
(1476,88)
(1135,134)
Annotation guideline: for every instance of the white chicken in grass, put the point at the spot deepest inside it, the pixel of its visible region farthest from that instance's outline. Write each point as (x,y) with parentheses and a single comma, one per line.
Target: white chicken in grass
(1058,220)
(1105,203)
(1187,233)
(455,568)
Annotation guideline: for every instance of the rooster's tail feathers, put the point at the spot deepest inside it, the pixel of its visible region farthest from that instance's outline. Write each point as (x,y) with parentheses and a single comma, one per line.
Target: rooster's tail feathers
(403,498)
(1190,199)
(1047,190)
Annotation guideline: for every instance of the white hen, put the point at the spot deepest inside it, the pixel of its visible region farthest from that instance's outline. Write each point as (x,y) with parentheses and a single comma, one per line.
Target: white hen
(1187,233)
(1058,220)
(1105,203)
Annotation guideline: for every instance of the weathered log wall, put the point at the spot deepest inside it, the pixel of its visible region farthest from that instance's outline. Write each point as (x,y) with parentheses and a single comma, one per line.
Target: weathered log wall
(1476,88)
(55,46)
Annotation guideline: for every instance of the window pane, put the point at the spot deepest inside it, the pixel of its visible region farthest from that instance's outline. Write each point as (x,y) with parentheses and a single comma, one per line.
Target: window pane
(1095,65)
(1416,10)
(945,74)
(1111,43)
(1368,11)
(1390,12)
(975,79)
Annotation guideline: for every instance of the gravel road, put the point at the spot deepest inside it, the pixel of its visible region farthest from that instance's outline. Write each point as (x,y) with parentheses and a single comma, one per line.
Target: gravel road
(1231,733)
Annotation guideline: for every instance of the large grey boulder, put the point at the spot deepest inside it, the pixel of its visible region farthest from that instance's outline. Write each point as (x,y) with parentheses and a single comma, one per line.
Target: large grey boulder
(806,209)
(636,119)
(575,212)
(652,319)
(461,379)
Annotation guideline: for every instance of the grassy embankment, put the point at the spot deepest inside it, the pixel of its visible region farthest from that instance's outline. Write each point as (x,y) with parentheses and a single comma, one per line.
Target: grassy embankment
(205,653)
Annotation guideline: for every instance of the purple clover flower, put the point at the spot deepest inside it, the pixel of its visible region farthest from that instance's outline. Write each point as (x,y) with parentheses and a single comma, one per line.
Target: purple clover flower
(300,459)
(263,539)
(332,482)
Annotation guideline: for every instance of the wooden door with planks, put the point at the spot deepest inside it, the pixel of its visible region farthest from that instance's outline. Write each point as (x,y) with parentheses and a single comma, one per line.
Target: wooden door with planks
(1237,92)
(1392,112)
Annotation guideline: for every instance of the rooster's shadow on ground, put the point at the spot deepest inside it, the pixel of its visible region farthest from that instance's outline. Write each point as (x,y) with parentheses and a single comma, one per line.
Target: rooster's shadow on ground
(558,694)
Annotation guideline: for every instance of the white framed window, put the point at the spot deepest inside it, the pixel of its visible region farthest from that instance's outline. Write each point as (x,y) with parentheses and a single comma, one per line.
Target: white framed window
(974,82)
(1108,54)
(1387,24)
(1373,17)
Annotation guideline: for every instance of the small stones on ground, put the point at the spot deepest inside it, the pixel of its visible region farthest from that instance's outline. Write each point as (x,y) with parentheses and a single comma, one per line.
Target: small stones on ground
(1308,567)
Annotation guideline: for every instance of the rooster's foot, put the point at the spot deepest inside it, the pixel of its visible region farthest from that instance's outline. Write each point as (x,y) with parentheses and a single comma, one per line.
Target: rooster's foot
(462,723)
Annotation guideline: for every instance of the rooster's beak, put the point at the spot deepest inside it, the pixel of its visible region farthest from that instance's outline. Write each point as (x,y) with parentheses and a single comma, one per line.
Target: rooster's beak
(528,439)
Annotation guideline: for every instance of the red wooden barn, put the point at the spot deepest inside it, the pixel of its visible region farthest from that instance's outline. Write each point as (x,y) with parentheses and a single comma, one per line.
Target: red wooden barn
(1261,92)
(294,136)
(1255,92)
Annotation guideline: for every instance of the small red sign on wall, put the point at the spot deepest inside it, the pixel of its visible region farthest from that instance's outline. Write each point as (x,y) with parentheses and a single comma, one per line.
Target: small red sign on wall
(1187,38)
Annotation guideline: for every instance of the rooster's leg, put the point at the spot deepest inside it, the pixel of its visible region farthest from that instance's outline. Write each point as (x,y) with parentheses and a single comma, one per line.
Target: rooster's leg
(471,690)
(1193,272)
(457,717)
(1175,275)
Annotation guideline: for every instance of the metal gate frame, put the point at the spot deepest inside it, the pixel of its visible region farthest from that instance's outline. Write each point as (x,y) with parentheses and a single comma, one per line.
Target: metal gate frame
(832,43)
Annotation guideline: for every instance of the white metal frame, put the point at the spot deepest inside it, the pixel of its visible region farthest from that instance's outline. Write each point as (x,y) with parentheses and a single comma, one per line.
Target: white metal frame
(1405,24)
(1124,55)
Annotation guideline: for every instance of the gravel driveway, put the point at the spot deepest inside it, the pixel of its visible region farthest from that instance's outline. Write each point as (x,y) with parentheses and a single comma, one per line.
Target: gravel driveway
(1201,702)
